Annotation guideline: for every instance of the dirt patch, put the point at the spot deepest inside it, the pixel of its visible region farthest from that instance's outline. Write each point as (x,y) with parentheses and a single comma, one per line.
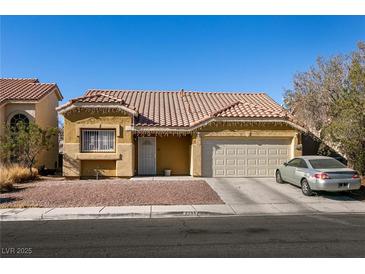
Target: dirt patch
(121,192)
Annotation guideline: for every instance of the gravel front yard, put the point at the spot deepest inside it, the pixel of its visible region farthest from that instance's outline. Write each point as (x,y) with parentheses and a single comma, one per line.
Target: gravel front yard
(109,193)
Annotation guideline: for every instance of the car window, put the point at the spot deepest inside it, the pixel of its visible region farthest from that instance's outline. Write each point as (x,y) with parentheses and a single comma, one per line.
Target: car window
(294,163)
(326,163)
(303,164)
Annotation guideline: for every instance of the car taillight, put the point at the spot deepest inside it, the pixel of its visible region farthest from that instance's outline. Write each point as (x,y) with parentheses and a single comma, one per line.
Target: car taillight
(321,176)
(356,176)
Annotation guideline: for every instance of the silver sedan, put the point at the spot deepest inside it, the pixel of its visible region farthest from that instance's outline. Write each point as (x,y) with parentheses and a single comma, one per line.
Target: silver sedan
(315,173)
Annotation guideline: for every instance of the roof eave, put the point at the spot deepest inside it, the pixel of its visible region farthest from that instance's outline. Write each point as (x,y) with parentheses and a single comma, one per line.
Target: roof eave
(69,106)
(58,93)
(215,119)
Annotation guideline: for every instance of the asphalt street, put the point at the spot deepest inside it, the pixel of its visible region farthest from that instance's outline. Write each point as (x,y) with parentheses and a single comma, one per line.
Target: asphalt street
(260,236)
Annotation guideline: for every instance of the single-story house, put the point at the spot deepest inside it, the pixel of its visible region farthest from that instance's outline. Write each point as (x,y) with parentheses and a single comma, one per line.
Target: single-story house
(124,133)
(29,100)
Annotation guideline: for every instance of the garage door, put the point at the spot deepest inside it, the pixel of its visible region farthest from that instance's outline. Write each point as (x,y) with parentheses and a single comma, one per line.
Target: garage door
(244,158)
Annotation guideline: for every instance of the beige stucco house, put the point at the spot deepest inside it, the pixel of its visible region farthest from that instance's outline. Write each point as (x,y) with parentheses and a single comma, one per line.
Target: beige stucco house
(213,134)
(30,100)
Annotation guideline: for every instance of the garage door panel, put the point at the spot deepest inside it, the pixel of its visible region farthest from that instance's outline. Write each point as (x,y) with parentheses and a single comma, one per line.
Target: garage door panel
(273,161)
(241,162)
(219,162)
(219,172)
(262,162)
(283,151)
(262,171)
(239,158)
(230,162)
(230,172)
(251,172)
(271,171)
(241,172)
(230,151)
(241,151)
(251,162)
(251,151)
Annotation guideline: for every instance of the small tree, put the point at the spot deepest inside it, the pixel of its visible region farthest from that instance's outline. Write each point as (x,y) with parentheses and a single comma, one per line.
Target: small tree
(24,142)
(348,129)
(330,100)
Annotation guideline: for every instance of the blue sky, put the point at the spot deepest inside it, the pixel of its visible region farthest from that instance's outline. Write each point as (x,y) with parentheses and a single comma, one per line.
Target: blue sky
(208,53)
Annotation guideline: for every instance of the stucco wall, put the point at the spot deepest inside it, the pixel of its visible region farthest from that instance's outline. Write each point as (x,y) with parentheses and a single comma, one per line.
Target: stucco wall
(173,153)
(46,116)
(105,168)
(75,161)
(73,122)
(196,151)
(14,108)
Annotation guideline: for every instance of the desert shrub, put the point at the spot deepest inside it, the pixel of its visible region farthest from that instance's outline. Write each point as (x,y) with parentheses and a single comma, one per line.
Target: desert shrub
(15,174)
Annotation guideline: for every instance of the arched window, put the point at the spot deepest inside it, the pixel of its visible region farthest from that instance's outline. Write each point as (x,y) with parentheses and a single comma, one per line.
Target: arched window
(18,118)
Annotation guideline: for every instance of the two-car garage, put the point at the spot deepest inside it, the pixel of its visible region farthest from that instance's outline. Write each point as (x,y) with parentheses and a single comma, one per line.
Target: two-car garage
(233,157)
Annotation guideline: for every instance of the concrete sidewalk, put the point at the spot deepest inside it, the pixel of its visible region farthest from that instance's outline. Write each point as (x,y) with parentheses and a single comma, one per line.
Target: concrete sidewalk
(172,211)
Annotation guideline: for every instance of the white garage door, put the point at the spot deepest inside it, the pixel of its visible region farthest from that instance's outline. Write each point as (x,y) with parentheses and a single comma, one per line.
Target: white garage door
(244,158)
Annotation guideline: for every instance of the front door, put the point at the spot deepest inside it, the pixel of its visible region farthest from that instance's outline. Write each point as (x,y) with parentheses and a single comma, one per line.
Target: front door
(146,155)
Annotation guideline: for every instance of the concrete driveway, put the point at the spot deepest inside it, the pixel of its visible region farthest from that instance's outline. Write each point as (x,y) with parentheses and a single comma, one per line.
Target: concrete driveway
(243,193)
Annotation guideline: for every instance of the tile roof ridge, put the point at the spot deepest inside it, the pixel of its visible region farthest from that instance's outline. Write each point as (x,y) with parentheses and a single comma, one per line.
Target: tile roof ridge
(135,90)
(224,108)
(226,92)
(211,115)
(254,105)
(177,91)
(40,84)
(73,100)
(112,97)
(14,78)
(121,101)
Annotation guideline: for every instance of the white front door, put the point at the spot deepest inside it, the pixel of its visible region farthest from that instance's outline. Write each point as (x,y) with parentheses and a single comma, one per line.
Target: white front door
(146,155)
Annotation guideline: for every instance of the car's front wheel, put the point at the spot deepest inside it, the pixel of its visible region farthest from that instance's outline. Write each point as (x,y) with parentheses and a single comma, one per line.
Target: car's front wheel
(306,189)
(279,180)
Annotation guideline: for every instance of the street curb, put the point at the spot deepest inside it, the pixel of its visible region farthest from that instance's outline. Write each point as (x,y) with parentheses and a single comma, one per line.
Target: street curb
(175,214)
(176,211)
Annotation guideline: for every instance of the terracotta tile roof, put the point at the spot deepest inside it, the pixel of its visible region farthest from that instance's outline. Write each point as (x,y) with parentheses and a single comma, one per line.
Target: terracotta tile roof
(241,109)
(185,108)
(24,89)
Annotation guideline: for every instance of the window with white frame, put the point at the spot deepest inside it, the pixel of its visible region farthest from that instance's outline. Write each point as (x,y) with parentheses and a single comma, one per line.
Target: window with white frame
(98,140)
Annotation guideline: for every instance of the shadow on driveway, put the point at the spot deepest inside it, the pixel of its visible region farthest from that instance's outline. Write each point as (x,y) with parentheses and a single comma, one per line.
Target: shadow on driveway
(357,194)
(344,196)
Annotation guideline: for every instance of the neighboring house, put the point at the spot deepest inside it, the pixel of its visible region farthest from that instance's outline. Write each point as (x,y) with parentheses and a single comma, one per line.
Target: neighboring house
(29,100)
(127,133)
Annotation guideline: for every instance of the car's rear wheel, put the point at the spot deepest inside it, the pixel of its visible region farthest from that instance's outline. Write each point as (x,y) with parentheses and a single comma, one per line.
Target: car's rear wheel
(279,180)
(306,189)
